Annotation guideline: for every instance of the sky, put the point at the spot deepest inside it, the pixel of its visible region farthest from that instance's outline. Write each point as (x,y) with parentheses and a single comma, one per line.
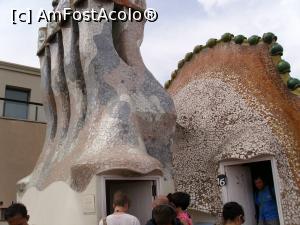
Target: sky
(182,25)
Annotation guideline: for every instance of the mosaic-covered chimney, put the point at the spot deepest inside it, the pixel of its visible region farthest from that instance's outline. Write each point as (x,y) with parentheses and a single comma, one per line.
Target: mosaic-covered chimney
(106,113)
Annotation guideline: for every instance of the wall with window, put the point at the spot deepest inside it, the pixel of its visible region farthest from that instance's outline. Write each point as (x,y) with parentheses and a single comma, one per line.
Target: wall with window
(22,127)
(21,84)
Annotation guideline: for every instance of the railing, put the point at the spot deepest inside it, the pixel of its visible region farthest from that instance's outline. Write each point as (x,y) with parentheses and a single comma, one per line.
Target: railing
(21,110)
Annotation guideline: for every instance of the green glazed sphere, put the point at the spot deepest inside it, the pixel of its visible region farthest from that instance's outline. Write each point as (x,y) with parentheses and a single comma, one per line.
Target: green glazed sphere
(293,83)
(253,40)
(211,42)
(269,38)
(283,67)
(167,84)
(239,39)
(227,37)
(276,49)
(181,63)
(188,56)
(174,74)
(197,49)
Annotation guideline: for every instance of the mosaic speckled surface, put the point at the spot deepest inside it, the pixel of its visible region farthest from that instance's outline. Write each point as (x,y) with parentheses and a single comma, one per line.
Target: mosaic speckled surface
(232,104)
(103,106)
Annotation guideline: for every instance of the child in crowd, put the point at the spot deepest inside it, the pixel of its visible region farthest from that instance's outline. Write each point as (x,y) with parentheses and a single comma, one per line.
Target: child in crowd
(164,215)
(181,201)
(16,214)
(162,200)
(233,214)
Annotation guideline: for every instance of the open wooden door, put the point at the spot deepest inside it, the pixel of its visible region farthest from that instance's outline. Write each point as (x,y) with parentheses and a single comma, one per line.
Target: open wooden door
(240,189)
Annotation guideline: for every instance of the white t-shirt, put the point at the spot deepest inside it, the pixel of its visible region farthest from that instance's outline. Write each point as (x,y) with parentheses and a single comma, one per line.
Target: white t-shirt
(121,219)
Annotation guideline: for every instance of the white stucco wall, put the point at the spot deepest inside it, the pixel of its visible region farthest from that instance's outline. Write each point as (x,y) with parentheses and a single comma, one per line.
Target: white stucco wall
(60,205)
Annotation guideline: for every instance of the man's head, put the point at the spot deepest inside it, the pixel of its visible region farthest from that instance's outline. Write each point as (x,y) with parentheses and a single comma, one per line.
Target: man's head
(233,213)
(259,183)
(16,214)
(121,200)
(164,215)
(160,200)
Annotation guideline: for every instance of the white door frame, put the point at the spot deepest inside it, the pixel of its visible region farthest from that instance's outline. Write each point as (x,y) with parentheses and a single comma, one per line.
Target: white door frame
(275,175)
(101,189)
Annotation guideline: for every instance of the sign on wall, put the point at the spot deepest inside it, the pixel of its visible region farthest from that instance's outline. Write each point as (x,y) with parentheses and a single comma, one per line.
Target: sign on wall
(222,180)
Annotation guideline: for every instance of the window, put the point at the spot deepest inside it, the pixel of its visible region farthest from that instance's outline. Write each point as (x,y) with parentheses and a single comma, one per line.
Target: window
(16,103)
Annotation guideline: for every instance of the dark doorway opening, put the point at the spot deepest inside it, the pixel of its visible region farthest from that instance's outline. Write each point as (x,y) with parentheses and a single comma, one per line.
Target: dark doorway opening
(241,187)
(264,170)
(140,192)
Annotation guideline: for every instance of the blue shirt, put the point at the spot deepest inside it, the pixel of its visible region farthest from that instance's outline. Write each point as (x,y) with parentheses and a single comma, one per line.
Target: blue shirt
(265,200)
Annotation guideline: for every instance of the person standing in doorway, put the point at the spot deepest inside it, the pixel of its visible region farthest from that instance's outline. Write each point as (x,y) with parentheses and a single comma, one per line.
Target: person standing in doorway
(265,201)
(120,215)
(233,214)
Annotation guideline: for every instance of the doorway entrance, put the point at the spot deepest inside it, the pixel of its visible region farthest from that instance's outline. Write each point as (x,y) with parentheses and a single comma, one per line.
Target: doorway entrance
(141,192)
(240,185)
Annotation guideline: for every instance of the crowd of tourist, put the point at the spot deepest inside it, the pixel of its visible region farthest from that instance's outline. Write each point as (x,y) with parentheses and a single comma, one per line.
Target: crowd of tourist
(171,210)
(167,210)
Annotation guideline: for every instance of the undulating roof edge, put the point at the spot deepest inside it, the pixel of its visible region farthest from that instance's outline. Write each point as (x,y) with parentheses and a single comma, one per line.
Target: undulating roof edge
(275,49)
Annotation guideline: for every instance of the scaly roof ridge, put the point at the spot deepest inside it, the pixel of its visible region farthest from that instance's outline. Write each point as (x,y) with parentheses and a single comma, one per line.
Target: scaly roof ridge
(275,50)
